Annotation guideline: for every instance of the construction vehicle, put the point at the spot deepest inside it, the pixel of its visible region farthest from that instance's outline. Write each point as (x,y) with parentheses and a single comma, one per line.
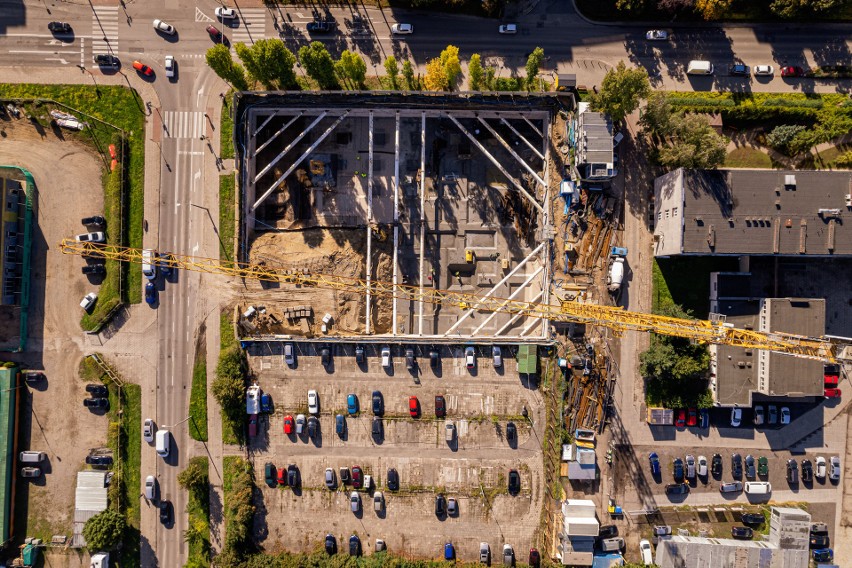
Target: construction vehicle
(612,317)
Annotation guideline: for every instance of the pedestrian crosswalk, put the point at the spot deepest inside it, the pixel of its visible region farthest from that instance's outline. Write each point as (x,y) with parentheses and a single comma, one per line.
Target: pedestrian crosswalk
(250,26)
(183,124)
(105,29)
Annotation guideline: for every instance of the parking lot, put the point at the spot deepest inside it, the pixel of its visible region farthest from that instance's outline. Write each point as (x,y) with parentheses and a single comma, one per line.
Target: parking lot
(473,467)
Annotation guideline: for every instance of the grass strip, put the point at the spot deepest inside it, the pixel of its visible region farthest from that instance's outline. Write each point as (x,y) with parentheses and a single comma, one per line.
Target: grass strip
(237,486)
(118,107)
(230,428)
(198,394)
(198,511)
(226,128)
(227,222)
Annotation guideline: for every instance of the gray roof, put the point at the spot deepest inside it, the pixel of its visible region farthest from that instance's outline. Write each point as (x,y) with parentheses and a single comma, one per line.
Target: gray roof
(766,212)
(596,132)
(694,552)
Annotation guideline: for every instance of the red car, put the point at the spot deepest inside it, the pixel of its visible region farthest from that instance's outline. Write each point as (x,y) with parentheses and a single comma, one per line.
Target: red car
(792,71)
(288,424)
(832,393)
(831,381)
(143,69)
(440,408)
(680,421)
(413,406)
(535,558)
(692,417)
(252,427)
(282,476)
(215,34)
(357,477)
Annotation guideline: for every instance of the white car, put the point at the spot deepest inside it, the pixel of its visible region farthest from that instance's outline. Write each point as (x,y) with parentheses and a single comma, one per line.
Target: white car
(225,13)
(97,237)
(148,431)
(508,29)
(819,469)
(89,301)
(657,35)
(645,552)
(386,356)
(354,501)
(834,468)
(151,488)
(169,65)
(662,530)
(785,415)
(401,29)
(736,417)
(763,70)
(470,357)
(313,402)
(702,466)
(162,26)
(300,423)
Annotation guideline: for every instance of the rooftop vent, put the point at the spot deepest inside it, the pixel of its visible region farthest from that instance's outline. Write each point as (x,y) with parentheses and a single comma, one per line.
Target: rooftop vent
(790,181)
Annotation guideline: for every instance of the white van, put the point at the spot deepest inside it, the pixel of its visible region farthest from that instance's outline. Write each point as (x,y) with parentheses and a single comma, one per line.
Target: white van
(149,269)
(162,443)
(645,551)
(31,457)
(699,67)
(758,487)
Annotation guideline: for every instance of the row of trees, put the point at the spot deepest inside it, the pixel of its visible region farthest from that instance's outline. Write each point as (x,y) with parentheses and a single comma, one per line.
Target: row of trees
(269,63)
(719,9)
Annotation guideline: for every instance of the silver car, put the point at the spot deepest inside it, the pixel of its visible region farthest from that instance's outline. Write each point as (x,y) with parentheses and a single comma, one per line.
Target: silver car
(354,501)
(151,488)
(162,26)
(834,468)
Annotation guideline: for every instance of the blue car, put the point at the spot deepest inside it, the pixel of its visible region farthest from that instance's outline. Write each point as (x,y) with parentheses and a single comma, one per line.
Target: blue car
(266,403)
(150,293)
(449,551)
(339,424)
(655,464)
(823,554)
(704,417)
(352,404)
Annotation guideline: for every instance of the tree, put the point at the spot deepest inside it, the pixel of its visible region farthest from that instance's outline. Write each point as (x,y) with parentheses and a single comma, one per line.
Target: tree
(220,61)
(196,534)
(782,136)
(621,91)
(633,6)
(408,75)
(319,65)
(490,74)
(693,144)
(392,71)
(104,530)
(195,476)
(675,6)
(712,9)
(443,71)
(352,67)
(475,72)
(656,119)
(534,65)
(793,8)
(269,61)
(435,80)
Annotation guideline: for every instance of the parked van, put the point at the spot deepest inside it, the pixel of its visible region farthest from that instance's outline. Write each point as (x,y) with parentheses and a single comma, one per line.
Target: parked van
(731,487)
(699,67)
(162,443)
(758,487)
(31,457)
(612,544)
(149,269)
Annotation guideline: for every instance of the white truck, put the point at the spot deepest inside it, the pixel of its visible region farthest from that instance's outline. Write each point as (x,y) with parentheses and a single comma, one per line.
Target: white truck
(616,274)
(253,400)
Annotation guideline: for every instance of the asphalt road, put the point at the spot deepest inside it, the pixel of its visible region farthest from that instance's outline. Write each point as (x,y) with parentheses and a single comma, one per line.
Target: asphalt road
(571,44)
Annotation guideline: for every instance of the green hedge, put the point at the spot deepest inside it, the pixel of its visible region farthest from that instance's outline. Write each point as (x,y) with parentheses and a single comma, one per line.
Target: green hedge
(790,108)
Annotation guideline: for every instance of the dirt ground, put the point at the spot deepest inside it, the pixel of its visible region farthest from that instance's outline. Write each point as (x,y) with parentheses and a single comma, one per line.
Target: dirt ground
(68,187)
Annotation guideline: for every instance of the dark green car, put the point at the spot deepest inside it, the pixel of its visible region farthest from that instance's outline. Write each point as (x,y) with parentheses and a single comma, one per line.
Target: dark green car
(269,474)
(762,466)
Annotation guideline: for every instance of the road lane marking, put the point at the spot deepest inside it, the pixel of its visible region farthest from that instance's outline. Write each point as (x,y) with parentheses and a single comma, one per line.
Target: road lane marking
(249,17)
(59,59)
(183,124)
(105,29)
(201,16)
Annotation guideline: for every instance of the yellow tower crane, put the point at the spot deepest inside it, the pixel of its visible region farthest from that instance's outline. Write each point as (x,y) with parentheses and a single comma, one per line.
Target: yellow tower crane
(612,317)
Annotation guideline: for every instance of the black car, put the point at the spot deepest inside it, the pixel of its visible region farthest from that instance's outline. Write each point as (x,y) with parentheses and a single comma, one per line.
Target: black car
(433,358)
(345,479)
(98,460)
(96,402)
(792,472)
(330,544)
(739,69)
(166,512)
(97,390)
(608,531)
(378,429)
(750,470)
(677,489)
(320,27)
(94,269)
(94,220)
(819,541)
(807,471)
(269,474)
(440,505)
(737,466)
(393,480)
(293,475)
(34,377)
(742,532)
(716,466)
(514,482)
(59,27)
(325,355)
(511,433)
(677,471)
(165,264)
(354,545)
(359,355)
(378,403)
(106,60)
(313,426)
(752,519)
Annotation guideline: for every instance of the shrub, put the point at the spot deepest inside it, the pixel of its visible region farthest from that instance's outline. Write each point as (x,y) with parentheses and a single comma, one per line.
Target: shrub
(781,136)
